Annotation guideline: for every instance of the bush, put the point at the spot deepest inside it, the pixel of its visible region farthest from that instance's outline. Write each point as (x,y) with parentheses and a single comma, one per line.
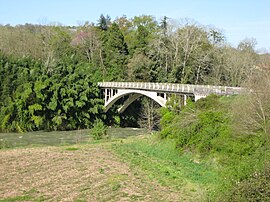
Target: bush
(198,125)
(99,130)
(4,144)
(255,188)
(209,128)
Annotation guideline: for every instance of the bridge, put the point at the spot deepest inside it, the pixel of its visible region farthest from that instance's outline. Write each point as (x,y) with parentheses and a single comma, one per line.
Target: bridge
(159,92)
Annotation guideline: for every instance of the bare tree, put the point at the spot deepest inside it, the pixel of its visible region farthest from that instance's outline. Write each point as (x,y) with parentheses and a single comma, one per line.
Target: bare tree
(149,117)
(183,50)
(87,40)
(22,40)
(253,109)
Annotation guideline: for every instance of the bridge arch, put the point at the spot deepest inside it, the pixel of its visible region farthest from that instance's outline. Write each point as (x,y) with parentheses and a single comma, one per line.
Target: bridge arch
(115,90)
(133,95)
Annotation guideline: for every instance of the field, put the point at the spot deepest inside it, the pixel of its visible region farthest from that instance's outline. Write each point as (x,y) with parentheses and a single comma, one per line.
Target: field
(70,166)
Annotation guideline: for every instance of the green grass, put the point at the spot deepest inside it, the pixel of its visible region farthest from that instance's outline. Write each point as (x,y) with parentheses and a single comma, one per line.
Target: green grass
(23,198)
(45,138)
(31,195)
(17,198)
(55,138)
(72,148)
(160,161)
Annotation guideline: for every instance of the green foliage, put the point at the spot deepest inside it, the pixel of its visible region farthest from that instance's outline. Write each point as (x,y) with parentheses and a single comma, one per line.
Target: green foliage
(207,129)
(16,96)
(115,52)
(140,68)
(99,130)
(200,134)
(254,188)
(103,22)
(4,122)
(183,52)
(67,99)
(57,89)
(198,125)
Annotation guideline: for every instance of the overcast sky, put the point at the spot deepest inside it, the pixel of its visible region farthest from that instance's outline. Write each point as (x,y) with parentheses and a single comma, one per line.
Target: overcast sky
(238,19)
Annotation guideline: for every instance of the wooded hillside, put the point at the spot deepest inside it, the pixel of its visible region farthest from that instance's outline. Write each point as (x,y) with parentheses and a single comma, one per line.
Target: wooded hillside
(49,73)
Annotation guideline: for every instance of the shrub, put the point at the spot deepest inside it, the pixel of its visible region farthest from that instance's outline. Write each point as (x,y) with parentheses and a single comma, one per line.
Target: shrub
(210,102)
(255,188)
(4,144)
(197,125)
(99,130)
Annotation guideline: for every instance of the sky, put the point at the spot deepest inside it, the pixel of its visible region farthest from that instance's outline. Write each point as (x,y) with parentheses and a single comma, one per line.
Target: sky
(237,19)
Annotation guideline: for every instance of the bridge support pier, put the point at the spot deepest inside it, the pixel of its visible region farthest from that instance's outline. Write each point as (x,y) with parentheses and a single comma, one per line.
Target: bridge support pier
(185,100)
(197,96)
(108,93)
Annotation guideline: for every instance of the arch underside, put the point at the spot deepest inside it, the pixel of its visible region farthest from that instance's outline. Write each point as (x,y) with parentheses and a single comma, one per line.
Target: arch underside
(133,95)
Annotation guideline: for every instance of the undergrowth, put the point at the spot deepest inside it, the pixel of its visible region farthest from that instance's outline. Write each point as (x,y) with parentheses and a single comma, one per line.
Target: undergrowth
(99,131)
(159,160)
(207,128)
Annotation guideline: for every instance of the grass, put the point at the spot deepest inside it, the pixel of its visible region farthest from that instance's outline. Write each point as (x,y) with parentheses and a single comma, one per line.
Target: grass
(45,138)
(133,168)
(72,148)
(56,138)
(30,195)
(161,162)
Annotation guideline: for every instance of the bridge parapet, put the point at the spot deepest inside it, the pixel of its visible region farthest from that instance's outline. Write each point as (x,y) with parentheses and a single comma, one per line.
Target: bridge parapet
(174,88)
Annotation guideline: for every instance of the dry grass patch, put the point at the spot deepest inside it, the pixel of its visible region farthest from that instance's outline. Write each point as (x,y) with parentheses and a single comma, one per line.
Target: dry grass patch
(81,173)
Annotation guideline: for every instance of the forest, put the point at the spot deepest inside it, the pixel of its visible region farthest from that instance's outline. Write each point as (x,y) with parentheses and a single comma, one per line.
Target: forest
(49,75)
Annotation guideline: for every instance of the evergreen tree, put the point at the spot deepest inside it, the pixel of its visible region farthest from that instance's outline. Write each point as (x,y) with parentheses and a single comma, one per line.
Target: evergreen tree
(104,22)
(115,52)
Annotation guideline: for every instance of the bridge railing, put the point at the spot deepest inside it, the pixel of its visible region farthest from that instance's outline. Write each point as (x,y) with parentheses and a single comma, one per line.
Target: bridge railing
(173,87)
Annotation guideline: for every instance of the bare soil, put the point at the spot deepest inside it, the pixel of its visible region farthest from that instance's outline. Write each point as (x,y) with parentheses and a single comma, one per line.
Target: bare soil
(77,173)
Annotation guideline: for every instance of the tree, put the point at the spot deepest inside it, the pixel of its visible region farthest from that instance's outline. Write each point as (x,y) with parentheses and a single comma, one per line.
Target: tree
(124,24)
(88,42)
(140,68)
(115,53)
(104,22)
(147,21)
(17,97)
(149,117)
(71,98)
(253,108)
(216,36)
(190,40)
(22,40)
(56,46)
(247,45)
(164,25)
(182,52)
(231,67)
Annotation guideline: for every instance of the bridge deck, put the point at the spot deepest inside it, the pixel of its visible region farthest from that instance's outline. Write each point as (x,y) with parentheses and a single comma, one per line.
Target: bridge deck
(174,88)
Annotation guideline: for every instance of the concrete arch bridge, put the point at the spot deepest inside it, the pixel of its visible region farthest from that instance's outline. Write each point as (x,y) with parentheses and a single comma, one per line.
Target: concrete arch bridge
(159,92)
